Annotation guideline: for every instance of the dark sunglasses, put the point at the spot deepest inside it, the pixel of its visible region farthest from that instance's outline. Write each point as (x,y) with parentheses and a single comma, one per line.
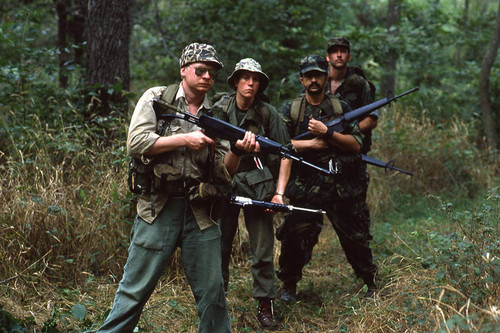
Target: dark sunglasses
(199,71)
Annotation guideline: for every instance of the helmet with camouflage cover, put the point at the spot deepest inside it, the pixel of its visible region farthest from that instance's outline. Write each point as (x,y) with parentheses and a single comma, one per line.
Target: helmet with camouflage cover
(248,64)
(196,52)
(313,63)
(338,41)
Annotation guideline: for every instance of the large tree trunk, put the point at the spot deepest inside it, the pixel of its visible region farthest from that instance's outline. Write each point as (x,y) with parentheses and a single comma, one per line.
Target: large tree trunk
(389,77)
(484,86)
(108,31)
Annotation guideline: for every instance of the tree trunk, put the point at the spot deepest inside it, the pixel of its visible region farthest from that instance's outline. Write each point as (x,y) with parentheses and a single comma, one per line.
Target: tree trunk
(484,86)
(464,20)
(108,31)
(62,45)
(389,77)
(76,28)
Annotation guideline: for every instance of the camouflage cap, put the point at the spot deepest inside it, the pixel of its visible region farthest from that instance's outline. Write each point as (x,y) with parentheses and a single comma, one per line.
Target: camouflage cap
(313,63)
(196,52)
(338,41)
(249,64)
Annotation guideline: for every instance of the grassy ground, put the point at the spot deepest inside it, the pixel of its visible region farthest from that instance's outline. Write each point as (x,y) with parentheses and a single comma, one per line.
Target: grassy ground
(66,214)
(330,298)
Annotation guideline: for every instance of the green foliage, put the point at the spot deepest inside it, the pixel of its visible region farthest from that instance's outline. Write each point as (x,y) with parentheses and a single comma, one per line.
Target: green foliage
(469,258)
(9,324)
(276,33)
(66,212)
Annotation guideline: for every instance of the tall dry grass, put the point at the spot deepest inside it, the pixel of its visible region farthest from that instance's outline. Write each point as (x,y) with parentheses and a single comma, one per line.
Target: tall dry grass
(66,214)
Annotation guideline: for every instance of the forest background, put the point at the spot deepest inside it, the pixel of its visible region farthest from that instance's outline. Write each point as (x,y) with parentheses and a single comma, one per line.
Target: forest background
(71,72)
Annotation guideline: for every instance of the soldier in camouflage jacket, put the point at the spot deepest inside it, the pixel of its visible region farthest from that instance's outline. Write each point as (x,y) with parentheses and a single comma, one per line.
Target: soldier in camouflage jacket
(340,194)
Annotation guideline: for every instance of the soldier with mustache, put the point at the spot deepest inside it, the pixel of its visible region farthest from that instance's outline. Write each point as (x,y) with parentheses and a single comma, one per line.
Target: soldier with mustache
(334,193)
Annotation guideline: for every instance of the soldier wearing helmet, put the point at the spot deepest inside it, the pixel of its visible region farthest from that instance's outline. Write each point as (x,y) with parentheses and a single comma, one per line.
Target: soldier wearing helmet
(174,213)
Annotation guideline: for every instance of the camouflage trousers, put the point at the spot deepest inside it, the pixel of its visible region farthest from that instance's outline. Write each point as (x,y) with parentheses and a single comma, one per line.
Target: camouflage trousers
(300,231)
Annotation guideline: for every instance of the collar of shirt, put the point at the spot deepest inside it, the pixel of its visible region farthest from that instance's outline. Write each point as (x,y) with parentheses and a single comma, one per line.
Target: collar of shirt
(180,97)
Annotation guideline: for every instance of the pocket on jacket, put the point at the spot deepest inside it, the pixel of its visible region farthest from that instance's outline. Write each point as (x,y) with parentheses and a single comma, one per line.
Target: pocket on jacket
(256,184)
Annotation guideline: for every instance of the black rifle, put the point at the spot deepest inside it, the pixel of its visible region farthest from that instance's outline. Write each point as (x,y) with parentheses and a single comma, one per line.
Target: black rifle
(386,165)
(339,124)
(216,128)
(247,202)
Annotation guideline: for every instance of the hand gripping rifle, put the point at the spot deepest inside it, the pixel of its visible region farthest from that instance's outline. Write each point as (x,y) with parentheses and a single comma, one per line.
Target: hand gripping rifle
(339,124)
(214,127)
(247,202)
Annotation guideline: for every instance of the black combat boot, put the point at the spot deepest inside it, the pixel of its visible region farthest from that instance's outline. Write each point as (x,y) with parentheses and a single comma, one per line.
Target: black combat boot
(289,293)
(372,287)
(265,314)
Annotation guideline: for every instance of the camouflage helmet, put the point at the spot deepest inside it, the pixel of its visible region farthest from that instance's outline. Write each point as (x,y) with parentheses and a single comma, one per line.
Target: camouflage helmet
(338,41)
(196,52)
(313,63)
(249,64)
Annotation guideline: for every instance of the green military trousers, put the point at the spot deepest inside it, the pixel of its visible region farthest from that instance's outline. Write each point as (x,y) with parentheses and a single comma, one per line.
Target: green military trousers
(150,249)
(260,229)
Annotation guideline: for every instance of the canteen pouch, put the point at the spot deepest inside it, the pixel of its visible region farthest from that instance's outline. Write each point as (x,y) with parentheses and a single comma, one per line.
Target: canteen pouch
(140,176)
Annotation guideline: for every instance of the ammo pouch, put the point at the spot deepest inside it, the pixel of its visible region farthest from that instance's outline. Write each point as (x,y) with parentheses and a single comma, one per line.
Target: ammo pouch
(140,176)
(167,179)
(256,184)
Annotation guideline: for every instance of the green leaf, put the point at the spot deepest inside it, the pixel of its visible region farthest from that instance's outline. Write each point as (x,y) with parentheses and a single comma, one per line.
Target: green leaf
(79,311)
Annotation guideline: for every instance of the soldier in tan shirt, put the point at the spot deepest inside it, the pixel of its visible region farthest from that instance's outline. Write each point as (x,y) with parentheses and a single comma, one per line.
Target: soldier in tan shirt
(184,160)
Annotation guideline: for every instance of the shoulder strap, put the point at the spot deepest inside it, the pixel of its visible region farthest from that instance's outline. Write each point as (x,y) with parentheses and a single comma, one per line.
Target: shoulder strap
(297,111)
(168,95)
(264,114)
(337,107)
(223,100)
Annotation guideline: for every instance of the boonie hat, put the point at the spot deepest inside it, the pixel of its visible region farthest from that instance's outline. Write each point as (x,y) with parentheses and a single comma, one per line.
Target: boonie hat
(338,41)
(249,64)
(313,63)
(196,52)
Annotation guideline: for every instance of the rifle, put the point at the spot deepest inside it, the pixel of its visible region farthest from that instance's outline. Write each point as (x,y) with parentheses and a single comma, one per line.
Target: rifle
(389,165)
(247,202)
(214,127)
(339,124)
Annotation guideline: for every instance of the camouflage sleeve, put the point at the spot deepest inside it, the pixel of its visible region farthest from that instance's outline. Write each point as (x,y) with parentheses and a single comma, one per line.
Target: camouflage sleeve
(368,98)
(353,127)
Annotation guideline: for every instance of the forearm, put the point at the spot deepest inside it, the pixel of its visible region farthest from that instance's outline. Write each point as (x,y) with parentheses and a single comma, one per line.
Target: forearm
(312,144)
(367,125)
(345,143)
(231,161)
(167,143)
(284,175)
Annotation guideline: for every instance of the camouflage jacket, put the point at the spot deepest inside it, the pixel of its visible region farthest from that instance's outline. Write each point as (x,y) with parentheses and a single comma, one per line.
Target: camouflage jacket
(306,184)
(357,91)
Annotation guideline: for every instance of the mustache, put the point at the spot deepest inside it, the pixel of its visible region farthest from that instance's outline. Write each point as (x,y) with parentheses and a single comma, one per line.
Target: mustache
(314,84)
